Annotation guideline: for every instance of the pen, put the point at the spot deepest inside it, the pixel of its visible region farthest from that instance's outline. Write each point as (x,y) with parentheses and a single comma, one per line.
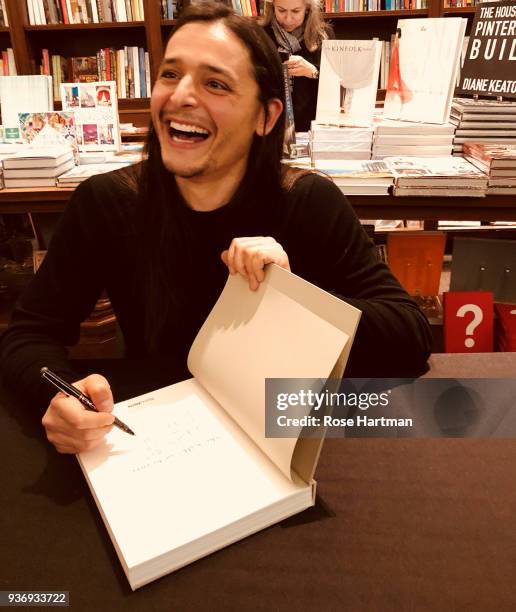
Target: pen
(72,391)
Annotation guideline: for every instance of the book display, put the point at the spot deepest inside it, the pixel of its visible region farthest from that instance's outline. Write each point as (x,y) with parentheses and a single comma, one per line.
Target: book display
(95,108)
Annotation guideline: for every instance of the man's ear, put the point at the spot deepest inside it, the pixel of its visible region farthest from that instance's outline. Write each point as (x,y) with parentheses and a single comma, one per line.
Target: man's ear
(274,109)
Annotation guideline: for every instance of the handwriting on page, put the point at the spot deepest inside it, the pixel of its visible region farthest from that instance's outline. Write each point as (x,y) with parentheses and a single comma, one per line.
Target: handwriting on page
(181,436)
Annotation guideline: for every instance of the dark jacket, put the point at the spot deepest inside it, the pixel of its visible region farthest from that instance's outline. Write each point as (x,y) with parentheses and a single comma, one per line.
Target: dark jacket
(304,94)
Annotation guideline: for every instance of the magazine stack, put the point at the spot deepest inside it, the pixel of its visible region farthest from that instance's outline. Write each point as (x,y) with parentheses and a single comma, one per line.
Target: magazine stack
(488,121)
(498,161)
(439,176)
(408,138)
(38,167)
(334,141)
(359,177)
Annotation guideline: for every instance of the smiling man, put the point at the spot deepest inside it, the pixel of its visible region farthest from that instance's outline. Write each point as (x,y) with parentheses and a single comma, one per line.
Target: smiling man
(211,197)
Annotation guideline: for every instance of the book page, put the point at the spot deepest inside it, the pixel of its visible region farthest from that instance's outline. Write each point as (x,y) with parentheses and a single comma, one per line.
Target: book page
(288,328)
(188,472)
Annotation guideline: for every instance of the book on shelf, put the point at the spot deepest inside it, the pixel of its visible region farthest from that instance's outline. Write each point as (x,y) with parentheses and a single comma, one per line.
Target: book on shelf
(421,150)
(26,93)
(349,170)
(348,81)
(391,127)
(95,106)
(469,108)
(495,155)
(37,173)
(433,172)
(200,474)
(424,61)
(77,174)
(20,183)
(48,157)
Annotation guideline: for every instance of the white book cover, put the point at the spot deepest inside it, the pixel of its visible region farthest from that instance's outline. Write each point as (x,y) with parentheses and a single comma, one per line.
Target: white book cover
(200,473)
(95,106)
(424,62)
(348,81)
(27,94)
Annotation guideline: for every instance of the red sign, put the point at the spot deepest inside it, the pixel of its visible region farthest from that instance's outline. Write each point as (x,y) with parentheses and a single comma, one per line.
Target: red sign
(468,322)
(505,327)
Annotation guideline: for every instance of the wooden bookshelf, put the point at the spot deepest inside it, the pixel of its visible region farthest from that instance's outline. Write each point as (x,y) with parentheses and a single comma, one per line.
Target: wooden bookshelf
(79,39)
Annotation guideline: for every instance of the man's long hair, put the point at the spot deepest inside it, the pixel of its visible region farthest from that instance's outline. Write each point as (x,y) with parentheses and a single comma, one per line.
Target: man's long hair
(163,237)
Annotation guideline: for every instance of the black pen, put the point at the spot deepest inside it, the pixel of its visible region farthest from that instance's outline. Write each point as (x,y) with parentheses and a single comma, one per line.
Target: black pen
(72,391)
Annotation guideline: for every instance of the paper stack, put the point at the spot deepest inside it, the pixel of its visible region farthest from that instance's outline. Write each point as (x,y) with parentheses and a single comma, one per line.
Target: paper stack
(335,141)
(439,176)
(496,160)
(37,167)
(488,121)
(408,138)
(359,177)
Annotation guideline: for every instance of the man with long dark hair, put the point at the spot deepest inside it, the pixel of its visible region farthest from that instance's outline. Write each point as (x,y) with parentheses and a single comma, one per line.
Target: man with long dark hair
(211,196)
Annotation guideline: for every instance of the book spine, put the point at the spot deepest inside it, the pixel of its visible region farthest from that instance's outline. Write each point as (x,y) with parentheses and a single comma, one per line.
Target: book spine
(136,73)
(5,64)
(6,16)
(30,11)
(147,74)
(45,62)
(11,64)
(141,65)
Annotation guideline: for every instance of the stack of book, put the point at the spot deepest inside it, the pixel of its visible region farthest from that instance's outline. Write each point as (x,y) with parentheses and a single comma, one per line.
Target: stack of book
(359,177)
(505,327)
(334,141)
(439,176)
(408,138)
(498,161)
(78,174)
(33,167)
(489,121)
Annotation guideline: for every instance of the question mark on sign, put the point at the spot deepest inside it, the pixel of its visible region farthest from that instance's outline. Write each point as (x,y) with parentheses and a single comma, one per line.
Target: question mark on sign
(478,315)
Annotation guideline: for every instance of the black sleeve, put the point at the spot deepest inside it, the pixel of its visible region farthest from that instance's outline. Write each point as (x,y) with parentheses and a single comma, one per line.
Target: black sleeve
(47,317)
(327,245)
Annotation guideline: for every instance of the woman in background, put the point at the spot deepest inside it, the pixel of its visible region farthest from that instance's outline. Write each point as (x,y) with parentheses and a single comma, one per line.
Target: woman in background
(298,29)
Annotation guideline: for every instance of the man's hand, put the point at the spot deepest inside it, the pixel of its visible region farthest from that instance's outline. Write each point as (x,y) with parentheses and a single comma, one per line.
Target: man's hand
(73,429)
(299,67)
(248,256)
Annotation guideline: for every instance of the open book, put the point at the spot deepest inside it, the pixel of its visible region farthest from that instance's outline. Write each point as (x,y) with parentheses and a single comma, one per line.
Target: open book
(199,474)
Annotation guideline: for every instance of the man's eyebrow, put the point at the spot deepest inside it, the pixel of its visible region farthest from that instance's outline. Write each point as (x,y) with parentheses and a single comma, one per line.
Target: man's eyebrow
(172,61)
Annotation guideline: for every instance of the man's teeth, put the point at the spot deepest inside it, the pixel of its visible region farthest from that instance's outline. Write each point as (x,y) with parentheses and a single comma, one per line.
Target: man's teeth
(183,127)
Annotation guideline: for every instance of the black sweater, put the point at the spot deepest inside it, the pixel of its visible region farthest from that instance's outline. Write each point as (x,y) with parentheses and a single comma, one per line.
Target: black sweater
(94,248)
